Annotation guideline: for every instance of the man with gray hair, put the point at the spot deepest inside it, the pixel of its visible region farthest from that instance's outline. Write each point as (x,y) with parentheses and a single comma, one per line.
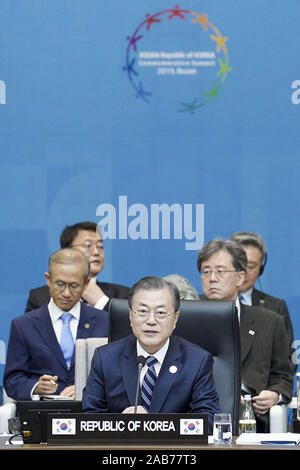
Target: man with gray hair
(40,353)
(186,290)
(256,252)
(177,376)
(266,371)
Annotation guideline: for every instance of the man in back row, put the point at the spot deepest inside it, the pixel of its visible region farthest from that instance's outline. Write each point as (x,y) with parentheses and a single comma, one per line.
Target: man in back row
(40,353)
(85,237)
(266,369)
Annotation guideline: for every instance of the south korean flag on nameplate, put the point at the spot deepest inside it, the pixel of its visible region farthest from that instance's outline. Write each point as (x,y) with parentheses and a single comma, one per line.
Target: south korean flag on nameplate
(189,427)
(63,426)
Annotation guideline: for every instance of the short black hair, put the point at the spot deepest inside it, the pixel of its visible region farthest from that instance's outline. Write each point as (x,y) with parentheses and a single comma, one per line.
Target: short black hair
(70,232)
(155,283)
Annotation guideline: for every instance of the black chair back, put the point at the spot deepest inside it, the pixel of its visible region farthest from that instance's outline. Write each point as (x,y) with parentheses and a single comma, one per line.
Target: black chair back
(214,326)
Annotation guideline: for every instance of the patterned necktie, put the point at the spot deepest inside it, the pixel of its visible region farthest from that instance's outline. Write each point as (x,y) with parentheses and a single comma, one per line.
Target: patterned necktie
(148,383)
(66,340)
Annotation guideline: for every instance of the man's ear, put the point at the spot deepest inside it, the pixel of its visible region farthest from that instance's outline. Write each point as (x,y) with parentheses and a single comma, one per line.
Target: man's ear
(47,277)
(241,278)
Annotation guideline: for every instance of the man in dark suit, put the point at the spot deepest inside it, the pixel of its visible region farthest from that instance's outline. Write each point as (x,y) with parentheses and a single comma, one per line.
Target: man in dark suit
(266,369)
(40,353)
(86,238)
(183,371)
(256,252)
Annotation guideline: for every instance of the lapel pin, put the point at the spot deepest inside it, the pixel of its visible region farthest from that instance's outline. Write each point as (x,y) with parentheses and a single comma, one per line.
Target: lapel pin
(87,325)
(251,332)
(173,369)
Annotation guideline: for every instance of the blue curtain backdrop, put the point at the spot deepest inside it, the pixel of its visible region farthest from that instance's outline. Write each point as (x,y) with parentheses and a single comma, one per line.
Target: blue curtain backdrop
(193,103)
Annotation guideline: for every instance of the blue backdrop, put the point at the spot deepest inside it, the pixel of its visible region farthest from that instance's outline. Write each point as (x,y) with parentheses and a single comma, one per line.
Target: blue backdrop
(193,105)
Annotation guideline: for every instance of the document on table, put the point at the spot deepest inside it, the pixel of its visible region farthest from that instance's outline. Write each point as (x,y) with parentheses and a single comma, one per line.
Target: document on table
(286,438)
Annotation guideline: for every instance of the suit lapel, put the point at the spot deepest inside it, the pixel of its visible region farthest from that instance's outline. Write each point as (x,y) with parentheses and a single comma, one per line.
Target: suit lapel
(129,368)
(43,324)
(86,322)
(247,328)
(166,379)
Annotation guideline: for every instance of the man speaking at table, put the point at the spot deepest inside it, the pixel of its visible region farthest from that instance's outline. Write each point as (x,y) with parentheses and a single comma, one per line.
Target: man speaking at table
(177,376)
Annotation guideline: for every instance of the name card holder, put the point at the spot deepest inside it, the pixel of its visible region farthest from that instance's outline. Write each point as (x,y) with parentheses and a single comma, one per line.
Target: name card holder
(99,428)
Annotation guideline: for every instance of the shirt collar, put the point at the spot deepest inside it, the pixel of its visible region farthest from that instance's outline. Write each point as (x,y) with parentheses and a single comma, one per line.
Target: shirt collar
(247,296)
(159,355)
(56,312)
(238,306)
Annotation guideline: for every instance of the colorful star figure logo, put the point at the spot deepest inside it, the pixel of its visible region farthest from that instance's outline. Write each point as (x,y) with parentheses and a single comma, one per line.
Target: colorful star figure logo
(154,24)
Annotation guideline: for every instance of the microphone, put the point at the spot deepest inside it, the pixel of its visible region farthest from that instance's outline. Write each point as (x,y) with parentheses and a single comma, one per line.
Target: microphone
(140,363)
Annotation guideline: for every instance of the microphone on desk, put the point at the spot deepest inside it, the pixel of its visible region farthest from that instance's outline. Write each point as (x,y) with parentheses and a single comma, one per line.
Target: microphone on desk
(140,363)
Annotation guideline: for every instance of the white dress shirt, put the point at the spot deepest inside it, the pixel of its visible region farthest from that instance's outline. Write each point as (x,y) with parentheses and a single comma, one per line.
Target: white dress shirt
(55,314)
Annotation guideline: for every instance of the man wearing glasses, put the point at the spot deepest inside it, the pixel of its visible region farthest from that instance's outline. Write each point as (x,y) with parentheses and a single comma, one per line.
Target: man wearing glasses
(85,237)
(177,376)
(266,370)
(40,353)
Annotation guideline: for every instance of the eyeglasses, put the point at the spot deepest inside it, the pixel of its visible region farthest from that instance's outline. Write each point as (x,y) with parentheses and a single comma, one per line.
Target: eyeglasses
(220,273)
(89,247)
(144,314)
(61,286)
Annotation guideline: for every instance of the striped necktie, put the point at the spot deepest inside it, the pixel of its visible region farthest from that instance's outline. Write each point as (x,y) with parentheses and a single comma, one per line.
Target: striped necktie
(66,339)
(148,383)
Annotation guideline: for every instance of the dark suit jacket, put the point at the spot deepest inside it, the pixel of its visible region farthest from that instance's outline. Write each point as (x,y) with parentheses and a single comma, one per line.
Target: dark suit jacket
(264,351)
(33,349)
(111,386)
(263,300)
(40,295)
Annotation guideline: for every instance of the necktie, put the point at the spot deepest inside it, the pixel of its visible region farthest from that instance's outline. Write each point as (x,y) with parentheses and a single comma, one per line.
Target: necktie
(242,299)
(148,383)
(66,340)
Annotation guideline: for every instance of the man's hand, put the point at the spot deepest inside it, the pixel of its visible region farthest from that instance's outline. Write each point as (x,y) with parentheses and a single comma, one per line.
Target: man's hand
(92,293)
(264,401)
(68,392)
(47,385)
(130,410)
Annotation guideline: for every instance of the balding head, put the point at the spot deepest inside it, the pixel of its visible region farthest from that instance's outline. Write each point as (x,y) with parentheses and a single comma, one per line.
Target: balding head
(67,277)
(69,256)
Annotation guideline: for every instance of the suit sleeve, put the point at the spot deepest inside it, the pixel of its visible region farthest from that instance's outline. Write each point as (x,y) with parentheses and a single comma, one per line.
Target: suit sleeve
(31,302)
(17,381)
(94,396)
(281,374)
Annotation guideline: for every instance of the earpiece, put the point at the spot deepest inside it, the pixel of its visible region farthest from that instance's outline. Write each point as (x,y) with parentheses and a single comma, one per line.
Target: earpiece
(263,264)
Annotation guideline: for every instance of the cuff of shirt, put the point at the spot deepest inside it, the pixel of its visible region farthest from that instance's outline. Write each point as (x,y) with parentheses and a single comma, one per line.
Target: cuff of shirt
(101,303)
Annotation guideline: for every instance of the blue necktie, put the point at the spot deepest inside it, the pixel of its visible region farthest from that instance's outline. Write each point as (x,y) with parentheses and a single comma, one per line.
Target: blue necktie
(242,299)
(66,339)
(148,383)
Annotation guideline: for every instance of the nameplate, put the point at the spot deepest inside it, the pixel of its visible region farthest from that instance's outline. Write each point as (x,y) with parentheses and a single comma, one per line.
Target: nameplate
(98,428)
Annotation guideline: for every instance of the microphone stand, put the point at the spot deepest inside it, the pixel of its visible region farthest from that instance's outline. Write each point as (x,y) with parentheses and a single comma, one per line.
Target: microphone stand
(141,362)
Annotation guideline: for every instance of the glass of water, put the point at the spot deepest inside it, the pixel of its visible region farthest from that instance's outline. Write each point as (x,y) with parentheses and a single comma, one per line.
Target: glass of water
(222,428)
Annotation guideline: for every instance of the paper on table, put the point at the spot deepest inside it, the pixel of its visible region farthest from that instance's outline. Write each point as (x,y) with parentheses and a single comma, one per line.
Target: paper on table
(268,438)
(55,397)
